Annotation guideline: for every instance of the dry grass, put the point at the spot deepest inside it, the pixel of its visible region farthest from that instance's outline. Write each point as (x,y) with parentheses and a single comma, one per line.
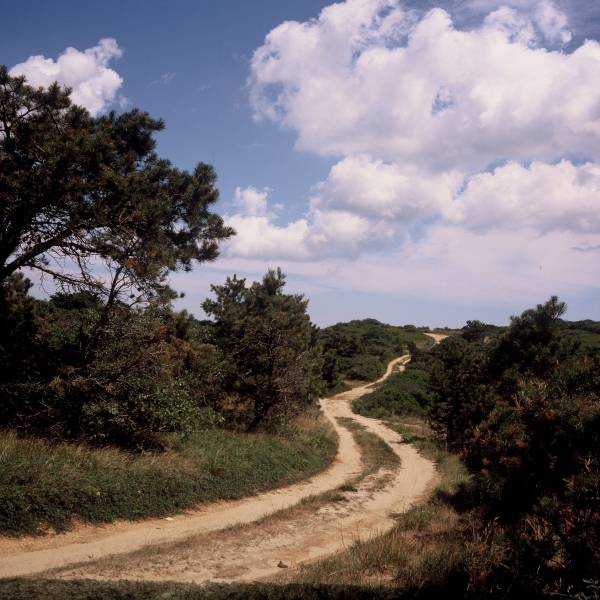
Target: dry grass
(425,546)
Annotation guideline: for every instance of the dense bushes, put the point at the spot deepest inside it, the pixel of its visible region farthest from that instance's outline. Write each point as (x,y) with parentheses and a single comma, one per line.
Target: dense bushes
(137,376)
(71,368)
(403,393)
(270,360)
(361,350)
(524,412)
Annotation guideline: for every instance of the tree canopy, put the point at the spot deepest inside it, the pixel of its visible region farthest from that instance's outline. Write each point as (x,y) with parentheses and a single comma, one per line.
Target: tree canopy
(269,346)
(81,197)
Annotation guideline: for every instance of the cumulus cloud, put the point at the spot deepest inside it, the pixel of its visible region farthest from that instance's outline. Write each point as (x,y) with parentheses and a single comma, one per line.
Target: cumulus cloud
(374,188)
(322,233)
(251,201)
(543,19)
(541,197)
(365,204)
(453,150)
(94,83)
(259,237)
(425,93)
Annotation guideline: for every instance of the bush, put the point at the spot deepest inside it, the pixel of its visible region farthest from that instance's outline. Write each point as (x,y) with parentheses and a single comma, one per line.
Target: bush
(524,411)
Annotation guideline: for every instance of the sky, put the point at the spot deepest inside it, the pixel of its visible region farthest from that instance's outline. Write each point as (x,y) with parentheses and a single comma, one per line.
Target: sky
(417,162)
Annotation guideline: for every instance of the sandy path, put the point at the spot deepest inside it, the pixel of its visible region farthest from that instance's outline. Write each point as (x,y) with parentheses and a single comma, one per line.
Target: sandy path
(365,515)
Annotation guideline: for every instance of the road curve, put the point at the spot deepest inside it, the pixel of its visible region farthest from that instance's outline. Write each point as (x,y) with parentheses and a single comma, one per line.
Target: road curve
(87,544)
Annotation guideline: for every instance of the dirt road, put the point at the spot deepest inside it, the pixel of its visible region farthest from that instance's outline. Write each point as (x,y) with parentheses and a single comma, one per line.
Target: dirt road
(201,545)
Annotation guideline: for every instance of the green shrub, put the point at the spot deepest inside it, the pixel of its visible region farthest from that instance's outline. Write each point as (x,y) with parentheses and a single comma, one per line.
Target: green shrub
(403,393)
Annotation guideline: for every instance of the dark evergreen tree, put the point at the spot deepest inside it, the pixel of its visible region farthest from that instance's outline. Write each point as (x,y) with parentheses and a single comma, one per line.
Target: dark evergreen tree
(94,193)
(271,358)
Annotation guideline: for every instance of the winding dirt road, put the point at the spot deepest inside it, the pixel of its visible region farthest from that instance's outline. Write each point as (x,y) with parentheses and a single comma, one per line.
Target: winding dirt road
(202,545)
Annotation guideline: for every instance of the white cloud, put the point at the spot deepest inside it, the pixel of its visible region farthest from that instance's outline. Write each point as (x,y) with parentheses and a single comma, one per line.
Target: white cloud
(375,188)
(426,93)
(452,265)
(259,237)
(543,18)
(366,204)
(322,233)
(501,267)
(251,201)
(552,22)
(541,197)
(453,153)
(94,84)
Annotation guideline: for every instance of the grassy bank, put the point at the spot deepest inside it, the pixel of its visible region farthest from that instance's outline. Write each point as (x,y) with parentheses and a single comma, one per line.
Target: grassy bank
(45,486)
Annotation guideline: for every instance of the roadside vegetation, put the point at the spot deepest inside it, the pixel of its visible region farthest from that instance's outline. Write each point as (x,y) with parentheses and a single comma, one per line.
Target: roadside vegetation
(115,405)
(112,403)
(512,417)
(52,589)
(523,411)
(361,350)
(48,485)
(417,555)
(404,393)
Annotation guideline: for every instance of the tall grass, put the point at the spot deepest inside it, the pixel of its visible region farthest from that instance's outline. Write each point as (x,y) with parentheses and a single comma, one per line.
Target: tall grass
(45,486)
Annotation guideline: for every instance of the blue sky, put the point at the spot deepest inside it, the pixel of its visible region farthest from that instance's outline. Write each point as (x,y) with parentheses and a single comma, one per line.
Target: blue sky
(374,206)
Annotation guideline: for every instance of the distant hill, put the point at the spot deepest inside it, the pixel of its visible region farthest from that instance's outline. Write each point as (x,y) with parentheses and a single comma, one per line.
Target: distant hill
(360,350)
(586,332)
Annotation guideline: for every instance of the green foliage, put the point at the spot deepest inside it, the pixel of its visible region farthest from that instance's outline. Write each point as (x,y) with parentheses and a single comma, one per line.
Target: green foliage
(361,350)
(585,334)
(524,411)
(47,485)
(145,376)
(403,393)
(271,362)
(93,190)
(477,331)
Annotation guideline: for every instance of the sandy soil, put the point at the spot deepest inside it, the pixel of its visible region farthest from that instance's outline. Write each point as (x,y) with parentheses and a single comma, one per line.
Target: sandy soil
(197,546)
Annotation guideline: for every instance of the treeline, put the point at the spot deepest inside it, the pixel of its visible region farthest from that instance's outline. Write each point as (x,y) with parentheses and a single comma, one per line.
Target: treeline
(521,406)
(69,371)
(87,204)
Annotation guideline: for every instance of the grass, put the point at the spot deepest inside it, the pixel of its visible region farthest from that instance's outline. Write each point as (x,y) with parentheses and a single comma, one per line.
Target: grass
(28,589)
(47,486)
(423,550)
(376,453)
(377,456)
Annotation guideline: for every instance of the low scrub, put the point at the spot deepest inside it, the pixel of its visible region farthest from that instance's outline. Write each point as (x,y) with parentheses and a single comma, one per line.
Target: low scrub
(403,393)
(48,485)
(361,350)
